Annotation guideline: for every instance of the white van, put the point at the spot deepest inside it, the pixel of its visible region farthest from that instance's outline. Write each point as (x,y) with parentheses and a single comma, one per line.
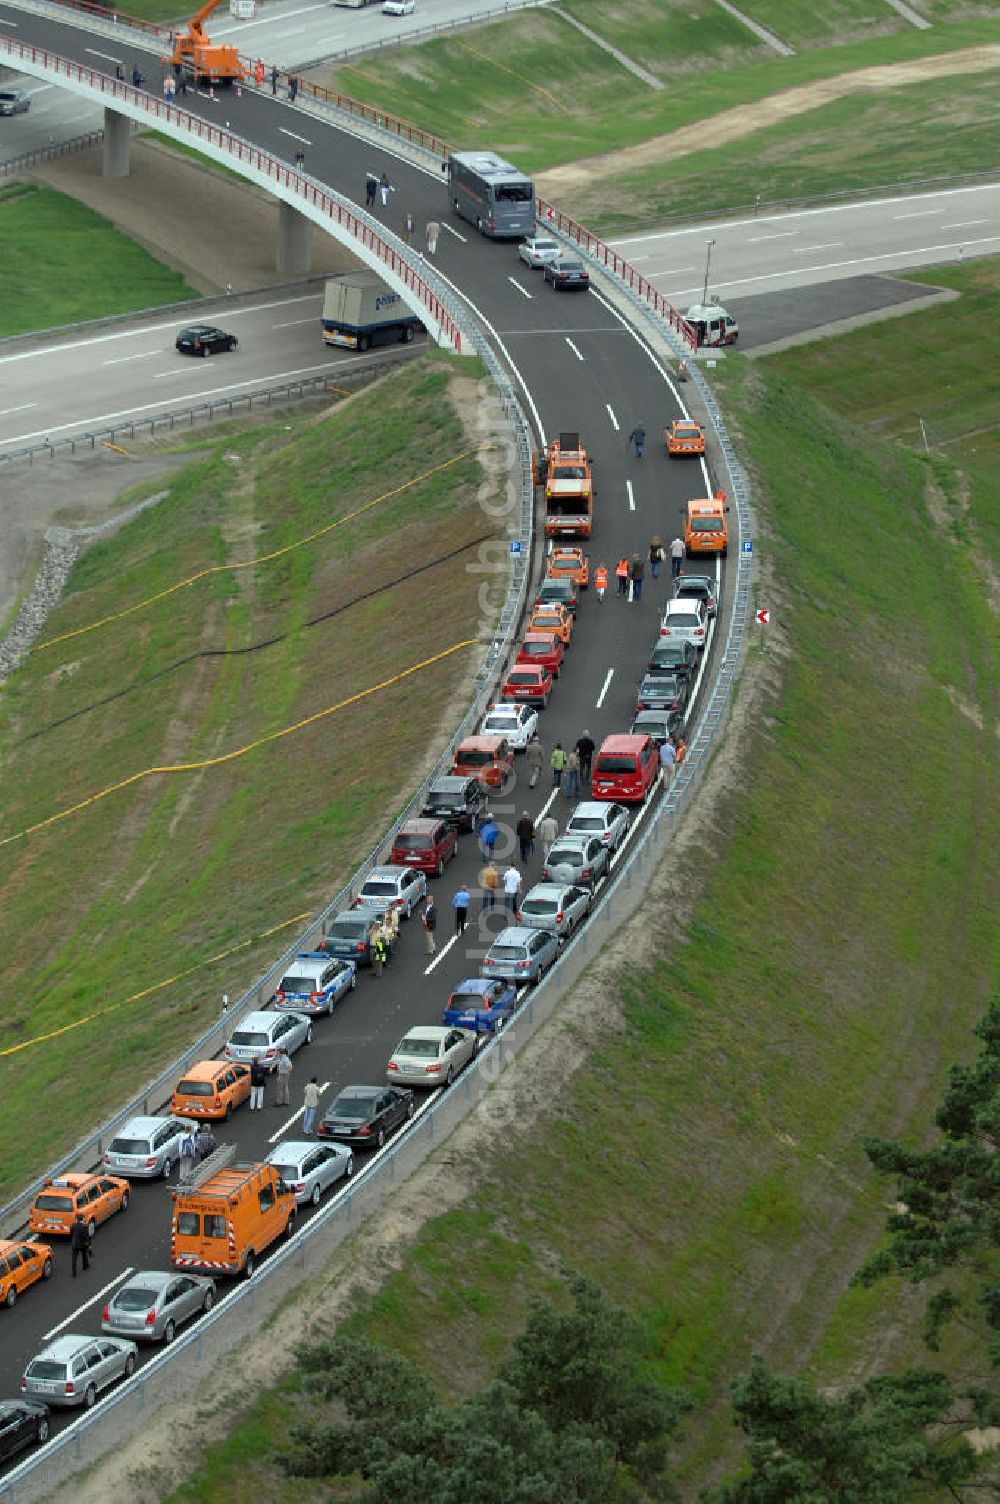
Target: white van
(712,324)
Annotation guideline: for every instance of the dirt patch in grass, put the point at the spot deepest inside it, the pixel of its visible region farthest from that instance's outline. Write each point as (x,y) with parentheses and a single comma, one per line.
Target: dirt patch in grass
(563,184)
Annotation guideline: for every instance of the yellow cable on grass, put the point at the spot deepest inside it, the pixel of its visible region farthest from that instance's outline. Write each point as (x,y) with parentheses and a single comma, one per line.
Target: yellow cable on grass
(519,76)
(203,574)
(15,1049)
(261,741)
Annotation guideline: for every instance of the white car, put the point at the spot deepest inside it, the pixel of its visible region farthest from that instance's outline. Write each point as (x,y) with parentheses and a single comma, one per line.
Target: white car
(518,723)
(399,7)
(685,621)
(430,1055)
(608,822)
(260,1035)
(536,250)
(74,1369)
(401,888)
(309,1169)
(146,1147)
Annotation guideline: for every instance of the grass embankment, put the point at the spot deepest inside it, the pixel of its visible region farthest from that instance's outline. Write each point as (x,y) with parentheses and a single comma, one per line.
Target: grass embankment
(705,1166)
(557,97)
(63,263)
(175,869)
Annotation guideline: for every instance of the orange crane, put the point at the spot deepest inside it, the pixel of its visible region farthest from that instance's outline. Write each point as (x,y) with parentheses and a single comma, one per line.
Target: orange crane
(206,61)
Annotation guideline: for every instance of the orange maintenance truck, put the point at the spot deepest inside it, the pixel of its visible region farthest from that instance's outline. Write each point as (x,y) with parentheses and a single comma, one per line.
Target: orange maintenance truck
(226,1215)
(203,60)
(563,468)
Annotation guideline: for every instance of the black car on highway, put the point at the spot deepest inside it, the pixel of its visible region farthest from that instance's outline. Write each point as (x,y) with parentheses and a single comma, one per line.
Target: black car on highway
(366,1115)
(459,800)
(205,339)
(660,691)
(23,1423)
(566,273)
(673,658)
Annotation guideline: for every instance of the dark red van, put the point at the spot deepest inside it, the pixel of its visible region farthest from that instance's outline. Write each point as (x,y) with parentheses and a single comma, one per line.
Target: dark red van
(425,844)
(625,769)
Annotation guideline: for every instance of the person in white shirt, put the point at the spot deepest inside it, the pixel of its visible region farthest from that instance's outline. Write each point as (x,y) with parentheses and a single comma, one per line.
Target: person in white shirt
(676,557)
(511,887)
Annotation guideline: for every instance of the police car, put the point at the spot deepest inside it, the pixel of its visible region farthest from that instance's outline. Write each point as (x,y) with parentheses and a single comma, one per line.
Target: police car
(314,984)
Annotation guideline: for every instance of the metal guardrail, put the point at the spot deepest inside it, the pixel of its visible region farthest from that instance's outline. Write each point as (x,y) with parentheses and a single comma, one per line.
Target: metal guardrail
(14,165)
(202,412)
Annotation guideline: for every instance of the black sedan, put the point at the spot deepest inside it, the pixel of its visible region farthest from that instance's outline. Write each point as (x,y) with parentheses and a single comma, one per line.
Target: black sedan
(205,339)
(700,587)
(661,692)
(23,1423)
(566,273)
(366,1115)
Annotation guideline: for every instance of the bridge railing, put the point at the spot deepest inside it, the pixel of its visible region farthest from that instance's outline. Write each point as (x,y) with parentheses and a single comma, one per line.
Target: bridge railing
(331,207)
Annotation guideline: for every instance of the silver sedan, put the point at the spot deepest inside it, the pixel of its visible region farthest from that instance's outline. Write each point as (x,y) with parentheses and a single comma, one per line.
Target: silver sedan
(554,906)
(431,1055)
(310,1168)
(536,250)
(151,1306)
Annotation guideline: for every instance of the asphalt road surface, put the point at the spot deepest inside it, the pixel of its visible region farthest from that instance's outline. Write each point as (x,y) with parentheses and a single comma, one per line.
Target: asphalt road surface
(581,368)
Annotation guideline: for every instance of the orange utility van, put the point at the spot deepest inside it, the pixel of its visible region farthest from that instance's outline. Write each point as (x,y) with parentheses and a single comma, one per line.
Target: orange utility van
(705,528)
(227,1214)
(625,769)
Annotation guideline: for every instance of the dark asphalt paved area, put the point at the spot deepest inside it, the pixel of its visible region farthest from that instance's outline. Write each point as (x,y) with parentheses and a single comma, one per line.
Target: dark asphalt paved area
(773,316)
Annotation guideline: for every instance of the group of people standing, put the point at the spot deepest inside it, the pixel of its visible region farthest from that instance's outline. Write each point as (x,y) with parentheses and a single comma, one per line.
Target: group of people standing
(630,573)
(377,190)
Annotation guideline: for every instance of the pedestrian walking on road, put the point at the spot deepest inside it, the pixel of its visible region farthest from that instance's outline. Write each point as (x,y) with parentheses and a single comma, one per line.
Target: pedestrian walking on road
(310,1098)
(274,80)
(300,158)
(557,762)
(601,580)
(258,1078)
(668,761)
(432,232)
(676,557)
(293,87)
(489,832)
(638,438)
(384,188)
(534,752)
(585,752)
(258,73)
(525,832)
(511,888)
(460,903)
(572,774)
(429,920)
(636,573)
(408,227)
(621,575)
(489,882)
(79,1244)
(204,1141)
(283,1071)
(657,554)
(371,190)
(376,944)
(390,933)
(548,829)
(189,1154)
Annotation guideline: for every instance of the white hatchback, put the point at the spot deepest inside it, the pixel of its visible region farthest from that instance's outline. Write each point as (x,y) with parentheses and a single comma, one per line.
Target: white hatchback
(518,723)
(685,620)
(536,250)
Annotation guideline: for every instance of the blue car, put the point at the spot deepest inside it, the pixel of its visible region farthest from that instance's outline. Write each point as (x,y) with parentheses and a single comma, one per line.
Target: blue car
(314,983)
(481,1004)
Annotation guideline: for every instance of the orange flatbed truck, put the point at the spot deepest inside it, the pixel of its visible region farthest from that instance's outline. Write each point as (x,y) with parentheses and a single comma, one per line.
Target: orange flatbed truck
(564,469)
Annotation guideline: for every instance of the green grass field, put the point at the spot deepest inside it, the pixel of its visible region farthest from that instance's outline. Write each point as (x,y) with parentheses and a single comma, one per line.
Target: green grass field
(705,1165)
(175,869)
(64,263)
(832,23)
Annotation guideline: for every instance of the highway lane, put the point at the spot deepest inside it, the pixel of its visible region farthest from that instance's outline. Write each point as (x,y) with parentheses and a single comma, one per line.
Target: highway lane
(582,369)
(136,372)
(803,247)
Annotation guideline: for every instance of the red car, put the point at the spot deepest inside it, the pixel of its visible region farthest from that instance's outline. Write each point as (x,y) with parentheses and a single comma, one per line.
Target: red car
(530,685)
(542,650)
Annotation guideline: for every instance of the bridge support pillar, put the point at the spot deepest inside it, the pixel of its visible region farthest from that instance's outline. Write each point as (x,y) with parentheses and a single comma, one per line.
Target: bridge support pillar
(294,241)
(116,135)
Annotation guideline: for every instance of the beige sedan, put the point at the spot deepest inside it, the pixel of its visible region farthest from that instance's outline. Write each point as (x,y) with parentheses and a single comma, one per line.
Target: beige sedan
(431,1055)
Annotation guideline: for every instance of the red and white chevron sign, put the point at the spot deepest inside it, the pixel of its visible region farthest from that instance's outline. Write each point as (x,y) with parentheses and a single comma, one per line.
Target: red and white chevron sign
(763,617)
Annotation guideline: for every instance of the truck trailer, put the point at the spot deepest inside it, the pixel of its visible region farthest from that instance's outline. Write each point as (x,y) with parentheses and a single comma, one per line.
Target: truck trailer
(360,310)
